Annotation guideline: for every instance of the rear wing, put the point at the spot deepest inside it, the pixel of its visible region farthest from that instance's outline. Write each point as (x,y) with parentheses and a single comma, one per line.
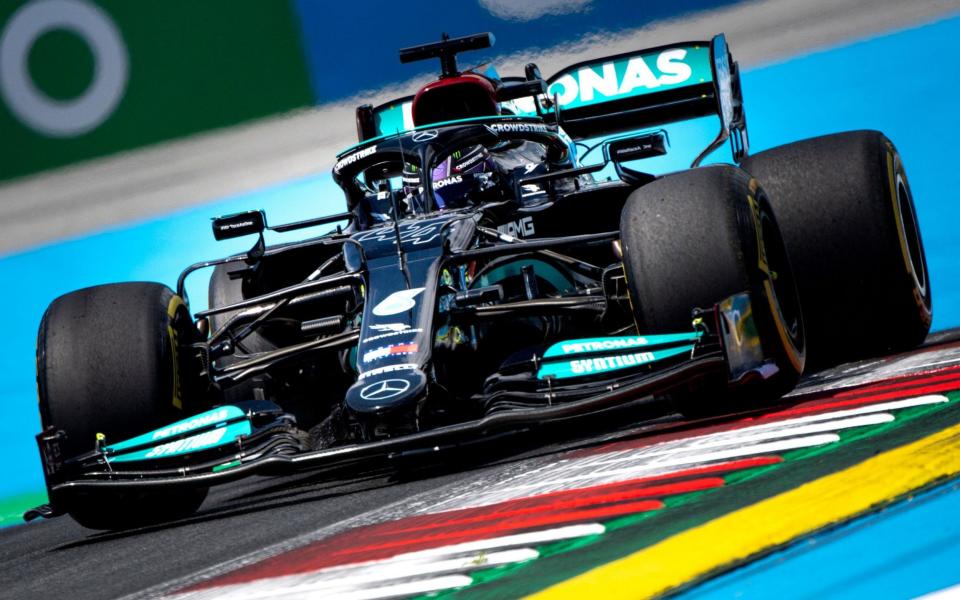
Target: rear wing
(637,90)
(618,94)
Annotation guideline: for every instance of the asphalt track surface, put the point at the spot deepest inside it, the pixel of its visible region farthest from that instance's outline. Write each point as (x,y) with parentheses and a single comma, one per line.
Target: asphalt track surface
(245,518)
(235,520)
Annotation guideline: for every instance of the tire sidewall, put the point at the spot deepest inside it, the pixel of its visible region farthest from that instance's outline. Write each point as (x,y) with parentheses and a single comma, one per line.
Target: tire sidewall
(782,334)
(910,242)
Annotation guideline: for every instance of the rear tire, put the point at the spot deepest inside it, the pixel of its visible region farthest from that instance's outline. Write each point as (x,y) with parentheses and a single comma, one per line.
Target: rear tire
(693,238)
(109,362)
(845,208)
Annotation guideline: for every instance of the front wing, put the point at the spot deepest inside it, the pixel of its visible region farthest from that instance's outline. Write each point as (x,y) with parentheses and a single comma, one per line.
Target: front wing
(257,438)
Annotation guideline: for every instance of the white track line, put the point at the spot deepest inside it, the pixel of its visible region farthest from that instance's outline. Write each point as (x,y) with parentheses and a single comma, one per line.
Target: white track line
(459,558)
(402,568)
(331,583)
(779,424)
(950,593)
(666,464)
(401,590)
(513,541)
(673,455)
(752,436)
(865,373)
(741,433)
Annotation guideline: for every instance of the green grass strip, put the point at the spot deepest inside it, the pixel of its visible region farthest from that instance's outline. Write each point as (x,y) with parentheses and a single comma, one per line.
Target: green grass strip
(13,507)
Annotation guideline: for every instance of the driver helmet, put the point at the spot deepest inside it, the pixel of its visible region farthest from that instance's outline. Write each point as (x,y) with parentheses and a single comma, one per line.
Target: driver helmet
(451,98)
(459,176)
(455,180)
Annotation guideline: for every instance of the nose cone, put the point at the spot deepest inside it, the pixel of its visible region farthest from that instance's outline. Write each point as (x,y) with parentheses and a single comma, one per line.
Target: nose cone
(387,393)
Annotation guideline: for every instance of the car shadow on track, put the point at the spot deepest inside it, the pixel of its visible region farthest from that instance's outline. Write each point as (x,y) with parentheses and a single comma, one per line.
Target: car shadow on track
(249,503)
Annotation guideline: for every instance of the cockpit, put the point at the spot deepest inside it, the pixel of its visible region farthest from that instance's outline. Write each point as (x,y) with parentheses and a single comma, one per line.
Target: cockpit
(448,166)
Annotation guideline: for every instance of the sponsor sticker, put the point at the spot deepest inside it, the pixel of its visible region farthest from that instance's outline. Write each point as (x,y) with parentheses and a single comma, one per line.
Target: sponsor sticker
(390,327)
(385,351)
(240,225)
(600,345)
(425,136)
(201,421)
(592,345)
(385,389)
(442,183)
(470,160)
(603,364)
(195,423)
(608,363)
(630,76)
(519,127)
(352,158)
(397,302)
(530,189)
(388,369)
(390,334)
(202,441)
(518,229)
(413,233)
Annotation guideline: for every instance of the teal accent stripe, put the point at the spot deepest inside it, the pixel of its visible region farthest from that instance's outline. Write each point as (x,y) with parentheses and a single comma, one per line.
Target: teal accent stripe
(216,416)
(594,345)
(596,365)
(195,443)
(497,119)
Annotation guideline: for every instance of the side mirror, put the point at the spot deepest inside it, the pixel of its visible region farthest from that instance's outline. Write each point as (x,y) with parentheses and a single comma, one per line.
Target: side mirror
(533,85)
(239,224)
(532,72)
(521,89)
(635,148)
(638,147)
(366,123)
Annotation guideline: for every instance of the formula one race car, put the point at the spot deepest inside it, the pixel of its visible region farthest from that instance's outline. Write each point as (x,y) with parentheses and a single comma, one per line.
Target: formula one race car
(490,279)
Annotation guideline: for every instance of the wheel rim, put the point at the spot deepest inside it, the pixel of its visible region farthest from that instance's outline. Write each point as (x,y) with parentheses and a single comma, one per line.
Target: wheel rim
(910,234)
(782,290)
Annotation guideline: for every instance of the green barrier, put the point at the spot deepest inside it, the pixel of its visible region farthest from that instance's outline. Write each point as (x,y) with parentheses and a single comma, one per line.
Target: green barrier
(80,79)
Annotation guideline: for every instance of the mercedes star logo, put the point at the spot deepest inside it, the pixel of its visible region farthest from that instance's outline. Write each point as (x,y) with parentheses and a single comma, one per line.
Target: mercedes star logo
(384,390)
(425,136)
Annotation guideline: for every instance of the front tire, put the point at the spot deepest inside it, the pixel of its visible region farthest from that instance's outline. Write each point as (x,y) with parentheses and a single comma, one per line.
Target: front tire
(693,238)
(110,362)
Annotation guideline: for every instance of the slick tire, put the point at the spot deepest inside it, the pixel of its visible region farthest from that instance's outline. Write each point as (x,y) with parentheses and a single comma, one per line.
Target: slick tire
(847,215)
(693,238)
(109,362)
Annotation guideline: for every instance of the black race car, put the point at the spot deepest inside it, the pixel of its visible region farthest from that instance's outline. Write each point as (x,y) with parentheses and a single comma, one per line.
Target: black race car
(489,280)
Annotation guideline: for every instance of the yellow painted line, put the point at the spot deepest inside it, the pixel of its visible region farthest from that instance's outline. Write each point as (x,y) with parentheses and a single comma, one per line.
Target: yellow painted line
(737,536)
